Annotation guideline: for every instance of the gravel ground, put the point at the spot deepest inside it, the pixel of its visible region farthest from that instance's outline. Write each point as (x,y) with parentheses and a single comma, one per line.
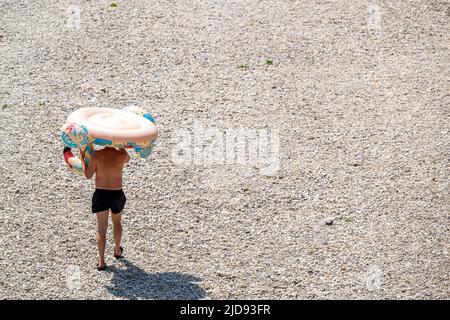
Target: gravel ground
(357,89)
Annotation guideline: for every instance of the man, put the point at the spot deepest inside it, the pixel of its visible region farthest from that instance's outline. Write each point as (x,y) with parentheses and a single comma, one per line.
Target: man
(107,164)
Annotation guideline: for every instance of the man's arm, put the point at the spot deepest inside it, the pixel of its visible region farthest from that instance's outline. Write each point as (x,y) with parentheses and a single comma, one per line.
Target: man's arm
(90,170)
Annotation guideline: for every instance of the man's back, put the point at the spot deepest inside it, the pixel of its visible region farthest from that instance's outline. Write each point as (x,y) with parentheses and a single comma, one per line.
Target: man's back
(109,168)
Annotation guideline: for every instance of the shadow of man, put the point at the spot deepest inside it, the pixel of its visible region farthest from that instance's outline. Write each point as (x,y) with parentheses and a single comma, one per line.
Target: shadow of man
(135,283)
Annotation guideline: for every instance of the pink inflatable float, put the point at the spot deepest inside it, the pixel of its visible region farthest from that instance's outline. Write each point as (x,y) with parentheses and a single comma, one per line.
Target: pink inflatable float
(117,126)
(131,127)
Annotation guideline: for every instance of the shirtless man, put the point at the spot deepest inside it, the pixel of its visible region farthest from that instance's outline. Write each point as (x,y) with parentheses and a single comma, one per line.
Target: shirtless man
(107,164)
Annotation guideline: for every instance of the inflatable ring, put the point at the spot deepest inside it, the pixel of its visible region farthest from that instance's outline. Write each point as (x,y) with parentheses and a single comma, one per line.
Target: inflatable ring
(131,127)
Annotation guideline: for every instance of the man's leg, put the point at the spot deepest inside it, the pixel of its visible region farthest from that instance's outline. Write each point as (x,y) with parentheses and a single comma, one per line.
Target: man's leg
(117,228)
(102,227)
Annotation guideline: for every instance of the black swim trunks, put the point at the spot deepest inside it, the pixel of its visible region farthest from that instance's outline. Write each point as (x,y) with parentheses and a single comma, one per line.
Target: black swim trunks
(108,199)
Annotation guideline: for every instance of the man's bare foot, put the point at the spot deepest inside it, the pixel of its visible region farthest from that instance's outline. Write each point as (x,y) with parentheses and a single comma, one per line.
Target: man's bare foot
(118,252)
(101,267)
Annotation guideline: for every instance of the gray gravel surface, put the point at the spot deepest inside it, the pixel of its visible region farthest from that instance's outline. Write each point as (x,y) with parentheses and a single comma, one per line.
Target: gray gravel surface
(358,91)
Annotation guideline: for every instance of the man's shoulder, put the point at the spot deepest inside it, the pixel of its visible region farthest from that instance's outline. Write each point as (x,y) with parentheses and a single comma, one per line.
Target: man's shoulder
(125,154)
(99,153)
